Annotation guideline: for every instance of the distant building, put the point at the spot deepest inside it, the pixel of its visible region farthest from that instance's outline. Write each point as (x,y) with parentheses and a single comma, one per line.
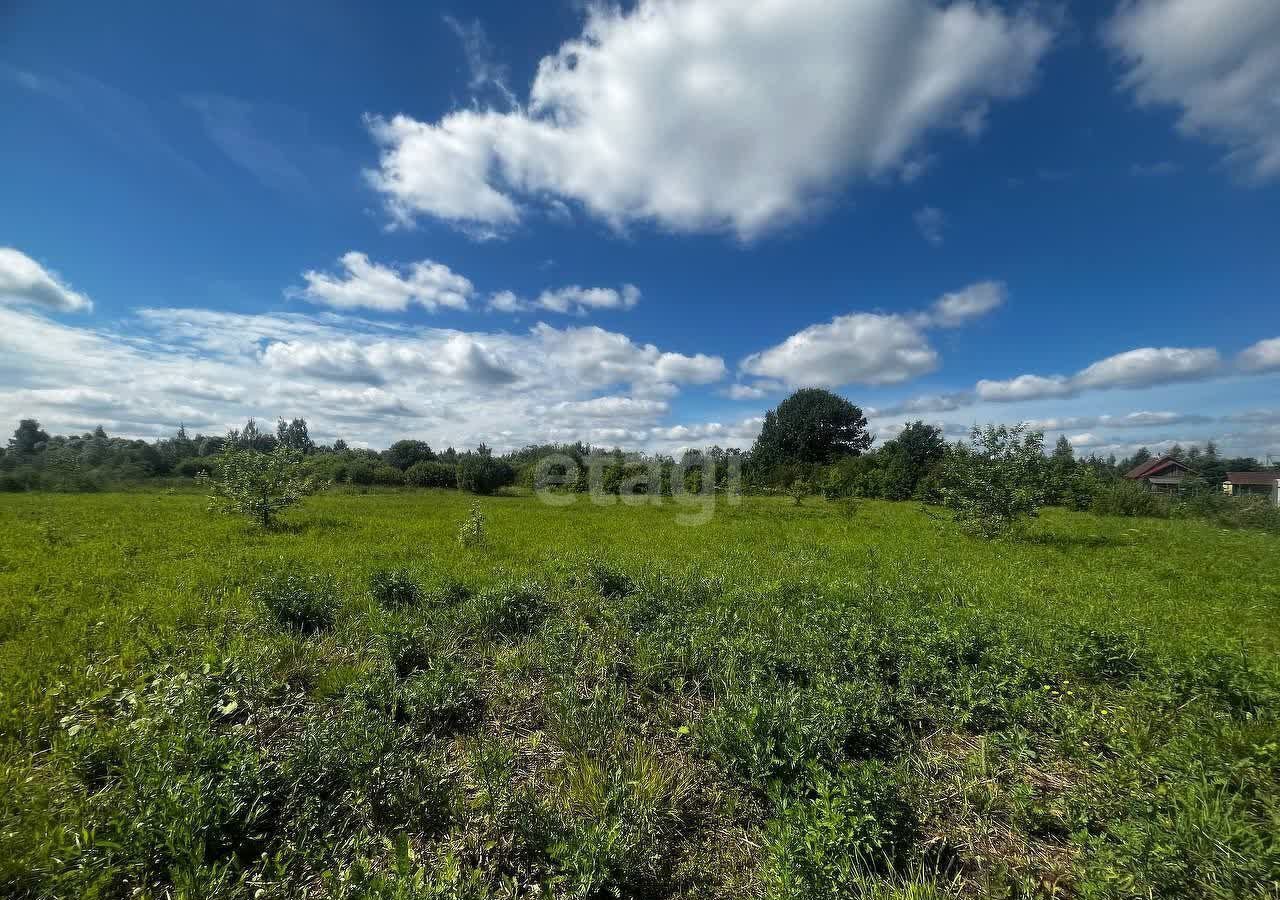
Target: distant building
(1254,484)
(1160,476)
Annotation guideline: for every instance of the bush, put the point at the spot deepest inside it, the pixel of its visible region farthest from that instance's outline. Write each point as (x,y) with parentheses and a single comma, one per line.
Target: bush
(1121,497)
(997,482)
(480,473)
(305,603)
(258,485)
(431,475)
(853,823)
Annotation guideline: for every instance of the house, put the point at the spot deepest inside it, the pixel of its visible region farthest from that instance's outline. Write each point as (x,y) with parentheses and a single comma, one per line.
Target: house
(1160,476)
(1254,484)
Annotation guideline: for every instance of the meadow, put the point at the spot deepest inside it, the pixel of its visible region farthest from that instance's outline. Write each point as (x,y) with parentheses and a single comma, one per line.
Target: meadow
(822,700)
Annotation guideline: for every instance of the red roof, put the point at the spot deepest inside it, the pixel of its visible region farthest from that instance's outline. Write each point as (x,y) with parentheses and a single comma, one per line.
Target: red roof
(1252,477)
(1154,467)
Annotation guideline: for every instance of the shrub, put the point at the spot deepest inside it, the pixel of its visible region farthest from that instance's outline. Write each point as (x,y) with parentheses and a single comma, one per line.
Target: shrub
(851,823)
(997,482)
(431,474)
(394,588)
(480,473)
(1121,497)
(257,485)
(305,603)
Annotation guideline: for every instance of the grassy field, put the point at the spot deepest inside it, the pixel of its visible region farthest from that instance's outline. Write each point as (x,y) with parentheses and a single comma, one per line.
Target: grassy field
(813,701)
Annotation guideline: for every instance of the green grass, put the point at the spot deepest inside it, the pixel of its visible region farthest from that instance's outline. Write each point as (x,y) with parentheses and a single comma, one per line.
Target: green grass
(813,701)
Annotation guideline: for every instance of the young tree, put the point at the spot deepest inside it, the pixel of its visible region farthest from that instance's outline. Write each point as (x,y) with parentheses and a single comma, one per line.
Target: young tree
(811,426)
(257,485)
(997,481)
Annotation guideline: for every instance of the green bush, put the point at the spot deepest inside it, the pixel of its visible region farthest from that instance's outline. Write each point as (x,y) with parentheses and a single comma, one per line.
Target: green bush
(302,602)
(1122,497)
(431,474)
(850,824)
(394,589)
(481,473)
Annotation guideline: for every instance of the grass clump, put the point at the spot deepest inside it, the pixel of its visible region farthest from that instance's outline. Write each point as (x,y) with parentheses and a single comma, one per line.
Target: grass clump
(304,602)
(394,589)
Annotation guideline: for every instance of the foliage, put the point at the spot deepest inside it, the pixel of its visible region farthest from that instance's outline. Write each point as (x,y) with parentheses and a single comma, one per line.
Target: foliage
(997,483)
(394,588)
(846,825)
(407,453)
(304,602)
(257,485)
(481,473)
(810,426)
(431,474)
(473,532)
(1122,497)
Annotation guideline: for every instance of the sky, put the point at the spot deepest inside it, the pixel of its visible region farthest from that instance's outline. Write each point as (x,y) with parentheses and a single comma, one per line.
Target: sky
(643,225)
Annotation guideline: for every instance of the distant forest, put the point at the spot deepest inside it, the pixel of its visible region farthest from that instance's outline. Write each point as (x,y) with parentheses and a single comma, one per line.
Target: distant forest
(815,440)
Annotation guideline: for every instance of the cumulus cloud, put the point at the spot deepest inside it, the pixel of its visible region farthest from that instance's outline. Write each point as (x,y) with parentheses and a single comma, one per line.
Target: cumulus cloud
(1218,62)
(714,115)
(960,307)
(1263,356)
(355,378)
(569,299)
(867,348)
(368,285)
(25,281)
(1144,367)
(870,348)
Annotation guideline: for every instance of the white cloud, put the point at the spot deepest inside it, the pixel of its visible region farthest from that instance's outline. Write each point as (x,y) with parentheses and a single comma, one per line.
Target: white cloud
(927,403)
(752,391)
(1218,61)
(866,348)
(871,348)
(929,222)
(960,307)
(1147,366)
(1263,356)
(715,115)
(366,284)
(25,281)
(569,299)
(362,380)
(1144,367)
(1024,387)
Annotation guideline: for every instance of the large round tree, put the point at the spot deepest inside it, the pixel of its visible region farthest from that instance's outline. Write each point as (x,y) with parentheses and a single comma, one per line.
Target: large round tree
(811,426)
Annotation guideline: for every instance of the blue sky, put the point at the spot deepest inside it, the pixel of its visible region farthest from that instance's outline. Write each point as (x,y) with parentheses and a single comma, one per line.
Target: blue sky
(643,225)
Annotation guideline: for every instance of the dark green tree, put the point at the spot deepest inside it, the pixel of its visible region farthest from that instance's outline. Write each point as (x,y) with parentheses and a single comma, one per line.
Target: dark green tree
(811,426)
(293,435)
(28,437)
(403,454)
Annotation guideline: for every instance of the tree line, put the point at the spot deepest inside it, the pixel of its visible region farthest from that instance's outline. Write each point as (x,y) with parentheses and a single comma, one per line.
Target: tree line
(813,442)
